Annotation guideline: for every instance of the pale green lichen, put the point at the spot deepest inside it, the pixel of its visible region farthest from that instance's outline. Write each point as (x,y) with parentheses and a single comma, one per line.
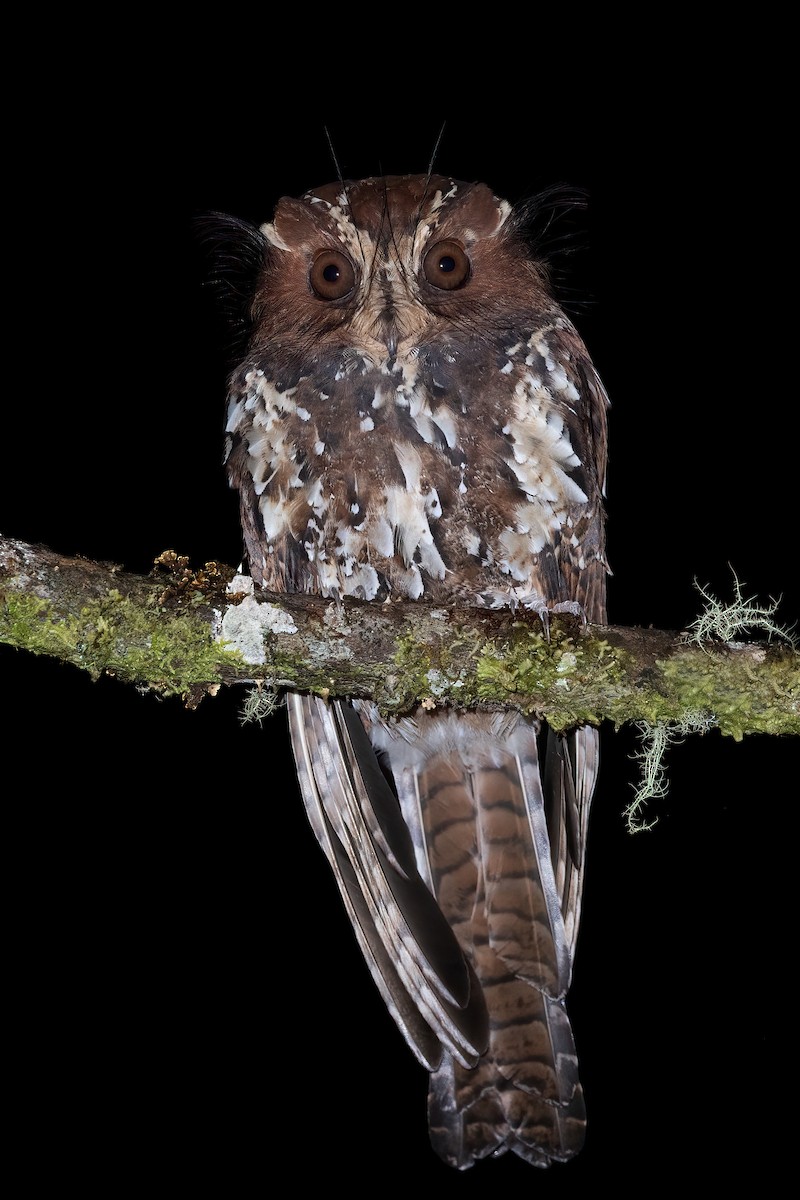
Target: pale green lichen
(246,625)
(260,702)
(438,683)
(724,622)
(652,785)
(731,693)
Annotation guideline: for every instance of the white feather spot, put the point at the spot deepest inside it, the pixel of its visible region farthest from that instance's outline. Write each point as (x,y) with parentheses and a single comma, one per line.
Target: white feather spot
(413,583)
(558,377)
(363,581)
(273,514)
(405,511)
(410,464)
(315,498)
(381,538)
(273,237)
(443,418)
(367,424)
(433,506)
(470,541)
(423,424)
(235,414)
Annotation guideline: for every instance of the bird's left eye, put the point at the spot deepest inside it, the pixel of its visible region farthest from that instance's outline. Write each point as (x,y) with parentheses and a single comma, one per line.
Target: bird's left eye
(446,265)
(332,275)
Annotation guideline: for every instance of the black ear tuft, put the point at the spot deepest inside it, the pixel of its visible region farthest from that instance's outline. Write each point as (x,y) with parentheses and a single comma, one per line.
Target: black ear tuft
(236,253)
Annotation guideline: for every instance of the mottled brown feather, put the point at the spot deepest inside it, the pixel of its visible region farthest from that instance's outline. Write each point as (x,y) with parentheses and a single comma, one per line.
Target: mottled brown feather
(403,438)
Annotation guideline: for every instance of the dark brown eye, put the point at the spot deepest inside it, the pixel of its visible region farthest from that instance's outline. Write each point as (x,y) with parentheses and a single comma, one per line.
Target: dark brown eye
(332,275)
(446,265)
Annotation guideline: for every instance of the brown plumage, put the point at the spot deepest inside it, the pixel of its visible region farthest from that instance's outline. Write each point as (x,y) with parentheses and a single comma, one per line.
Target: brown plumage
(415,417)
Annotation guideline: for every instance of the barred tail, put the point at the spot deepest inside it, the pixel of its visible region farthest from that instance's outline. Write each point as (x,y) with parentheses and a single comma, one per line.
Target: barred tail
(476,978)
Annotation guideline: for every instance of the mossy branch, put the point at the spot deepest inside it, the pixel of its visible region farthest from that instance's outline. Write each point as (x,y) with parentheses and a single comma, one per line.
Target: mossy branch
(185,632)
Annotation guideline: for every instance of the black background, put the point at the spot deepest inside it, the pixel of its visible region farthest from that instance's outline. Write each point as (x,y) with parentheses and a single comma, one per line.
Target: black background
(190,1010)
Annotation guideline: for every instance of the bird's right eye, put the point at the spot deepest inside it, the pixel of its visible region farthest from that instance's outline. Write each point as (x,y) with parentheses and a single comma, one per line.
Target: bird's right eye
(446,265)
(332,275)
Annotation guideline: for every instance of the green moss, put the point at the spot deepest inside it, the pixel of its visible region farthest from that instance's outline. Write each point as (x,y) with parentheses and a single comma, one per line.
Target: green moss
(572,680)
(741,694)
(568,679)
(407,683)
(139,643)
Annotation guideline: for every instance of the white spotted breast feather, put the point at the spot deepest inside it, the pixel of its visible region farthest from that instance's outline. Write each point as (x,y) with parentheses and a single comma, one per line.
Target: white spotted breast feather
(416,418)
(410,440)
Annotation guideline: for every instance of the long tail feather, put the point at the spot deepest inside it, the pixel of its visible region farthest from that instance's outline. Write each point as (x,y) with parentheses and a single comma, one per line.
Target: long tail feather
(503,859)
(462,877)
(419,967)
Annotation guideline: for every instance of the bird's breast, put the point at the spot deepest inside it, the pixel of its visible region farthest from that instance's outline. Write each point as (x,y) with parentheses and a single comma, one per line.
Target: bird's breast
(422,473)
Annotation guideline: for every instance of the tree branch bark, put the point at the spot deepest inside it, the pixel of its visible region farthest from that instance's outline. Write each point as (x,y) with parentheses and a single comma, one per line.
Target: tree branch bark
(179,631)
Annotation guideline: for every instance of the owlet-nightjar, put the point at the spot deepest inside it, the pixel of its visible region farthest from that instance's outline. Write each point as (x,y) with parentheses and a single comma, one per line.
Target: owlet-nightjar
(415,418)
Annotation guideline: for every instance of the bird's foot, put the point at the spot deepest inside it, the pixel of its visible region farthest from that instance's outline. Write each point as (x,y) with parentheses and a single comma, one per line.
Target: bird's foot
(518,598)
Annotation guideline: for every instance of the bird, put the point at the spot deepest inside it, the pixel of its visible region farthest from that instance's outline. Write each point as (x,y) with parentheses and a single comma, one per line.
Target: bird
(415,418)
